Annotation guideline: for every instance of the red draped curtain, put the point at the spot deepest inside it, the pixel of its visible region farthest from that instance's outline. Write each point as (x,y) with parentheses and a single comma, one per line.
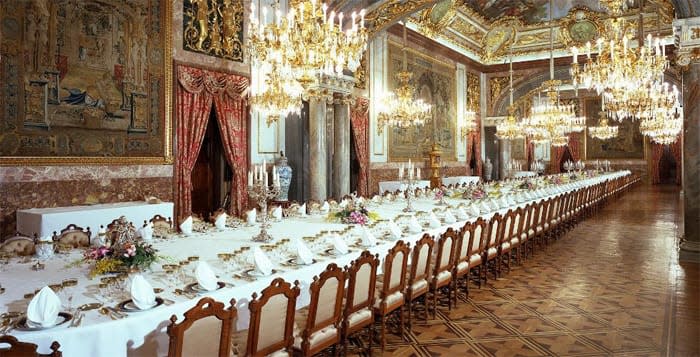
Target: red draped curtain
(657,151)
(474,141)
(197,89)
(359,119)
(676,152)
(575,146)
(557,155)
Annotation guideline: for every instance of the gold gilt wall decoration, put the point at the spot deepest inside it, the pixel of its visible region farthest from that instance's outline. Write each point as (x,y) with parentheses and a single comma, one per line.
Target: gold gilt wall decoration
(466,29)
(500,37)
(435,84)
(85,81)
(532,38)
(473,92)
(214,27)
(391,11)
(434,20)
(496,86)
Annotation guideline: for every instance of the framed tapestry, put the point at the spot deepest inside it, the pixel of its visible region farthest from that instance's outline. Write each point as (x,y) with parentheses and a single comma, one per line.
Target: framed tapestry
(435,84)
(629,143)
(85,82)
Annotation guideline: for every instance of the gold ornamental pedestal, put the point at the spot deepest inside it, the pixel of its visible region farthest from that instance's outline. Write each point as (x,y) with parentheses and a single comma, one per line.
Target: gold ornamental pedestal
(435,177)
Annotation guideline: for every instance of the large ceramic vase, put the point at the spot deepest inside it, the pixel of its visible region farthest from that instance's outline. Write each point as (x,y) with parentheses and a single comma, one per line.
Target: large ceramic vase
(285,174)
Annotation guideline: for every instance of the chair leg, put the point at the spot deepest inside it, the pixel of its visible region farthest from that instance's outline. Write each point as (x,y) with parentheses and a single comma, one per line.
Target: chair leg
(371,337)
(410,307)
(383,336)
(425,303)
(435,292)
(401,322)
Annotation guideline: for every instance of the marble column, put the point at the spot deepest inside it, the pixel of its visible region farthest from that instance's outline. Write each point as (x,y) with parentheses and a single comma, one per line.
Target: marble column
(318,163)
(341,149)
(690,246)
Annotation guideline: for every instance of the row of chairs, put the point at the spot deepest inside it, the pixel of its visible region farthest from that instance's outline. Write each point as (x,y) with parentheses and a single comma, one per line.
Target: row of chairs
(347,301)
(71,236)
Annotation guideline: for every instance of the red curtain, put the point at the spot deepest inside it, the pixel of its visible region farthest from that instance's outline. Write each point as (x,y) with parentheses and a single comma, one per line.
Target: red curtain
(196,91)
(359,119)
(575,146)
(657,151)
(474,141)
(557,155)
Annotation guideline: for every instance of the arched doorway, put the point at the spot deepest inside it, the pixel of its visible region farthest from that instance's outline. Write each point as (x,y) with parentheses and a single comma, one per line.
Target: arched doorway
(667,167)
(564,158)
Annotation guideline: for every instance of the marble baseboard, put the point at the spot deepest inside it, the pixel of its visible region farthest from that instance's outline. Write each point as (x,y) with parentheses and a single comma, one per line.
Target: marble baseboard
(57,193)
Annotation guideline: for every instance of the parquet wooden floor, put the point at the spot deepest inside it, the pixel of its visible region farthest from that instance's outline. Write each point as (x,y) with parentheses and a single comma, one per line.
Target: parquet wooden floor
(612,286)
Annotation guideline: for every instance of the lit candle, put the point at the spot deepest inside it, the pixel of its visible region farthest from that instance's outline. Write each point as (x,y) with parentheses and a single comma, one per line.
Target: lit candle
(313,9)
(649,41)
(301,12)
(353,16)
(418,173)
(588,49)
(331,19)
(575,51)
(362,18)
(340,21)
(250,178)
(612,50)
(264,9)
(325,8)
(663,47)
(624,45)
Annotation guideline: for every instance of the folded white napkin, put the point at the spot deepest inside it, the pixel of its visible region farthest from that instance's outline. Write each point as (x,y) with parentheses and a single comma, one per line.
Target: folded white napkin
(511,200)
(449,217)
(303,252)
(302,210)
(368,239)
(414,226)
(376,199)
(205,277)
(277,212)
(503,202)
(262,262)
(361,200)
(146,232)
(220,221)
(142,293)
(44,308)
(395,230)
(462,214)
(474,211)
(339,244)
(325,207)
(433,221)
(251,216)
(186,226)
(484,206)
(494,205)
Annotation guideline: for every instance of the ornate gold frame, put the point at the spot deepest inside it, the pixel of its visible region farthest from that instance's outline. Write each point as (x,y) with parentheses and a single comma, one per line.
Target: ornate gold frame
(570,19)
(165,106)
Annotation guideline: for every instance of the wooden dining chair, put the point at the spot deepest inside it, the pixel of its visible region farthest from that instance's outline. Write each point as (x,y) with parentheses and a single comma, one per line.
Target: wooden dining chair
(357,315)
(73,236)
(441,278)
(25,349)
(417,284)
(390,292)
(461,259)
(504,245)
(271,329)
(476,251)
(490,255)
(18,245)
(321,327)
(205,331)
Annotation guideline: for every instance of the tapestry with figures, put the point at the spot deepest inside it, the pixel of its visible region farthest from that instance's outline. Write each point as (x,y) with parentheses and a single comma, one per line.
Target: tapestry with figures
(435,84)
(84,78)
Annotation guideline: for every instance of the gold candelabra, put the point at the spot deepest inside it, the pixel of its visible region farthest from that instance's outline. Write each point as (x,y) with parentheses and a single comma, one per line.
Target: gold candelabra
(260,191)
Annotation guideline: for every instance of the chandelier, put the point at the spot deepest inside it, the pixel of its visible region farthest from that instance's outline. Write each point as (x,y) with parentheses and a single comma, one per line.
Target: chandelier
(299,47)
(400,109)
(619,70)
(510,129)
(603,131)
(468,124)
(278,96)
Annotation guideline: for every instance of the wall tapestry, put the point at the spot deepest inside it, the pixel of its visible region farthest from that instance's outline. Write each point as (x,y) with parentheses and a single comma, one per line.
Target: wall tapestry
(435,84)
(85,81)
(629,144)
(214,27)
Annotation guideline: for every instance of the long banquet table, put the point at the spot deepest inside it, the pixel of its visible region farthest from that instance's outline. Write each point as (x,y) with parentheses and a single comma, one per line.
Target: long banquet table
(45,221)
(143,333)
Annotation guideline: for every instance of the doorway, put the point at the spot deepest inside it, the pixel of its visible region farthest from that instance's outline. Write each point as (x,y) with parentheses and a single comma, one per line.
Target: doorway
(212,176)
(564,158)
(667,167)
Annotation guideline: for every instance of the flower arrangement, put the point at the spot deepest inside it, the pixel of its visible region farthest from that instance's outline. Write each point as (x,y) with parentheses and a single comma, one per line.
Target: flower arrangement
(132,255)
(353,213)
(526,185)
(476,193)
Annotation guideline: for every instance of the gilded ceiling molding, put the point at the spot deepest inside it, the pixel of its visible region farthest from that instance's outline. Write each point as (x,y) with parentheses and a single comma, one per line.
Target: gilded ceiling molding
(500,37)
(579,26)
(392,11)
(435,20)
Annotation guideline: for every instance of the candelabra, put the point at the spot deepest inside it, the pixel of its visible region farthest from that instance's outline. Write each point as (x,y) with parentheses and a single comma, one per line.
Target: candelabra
(409,180)
(260,192)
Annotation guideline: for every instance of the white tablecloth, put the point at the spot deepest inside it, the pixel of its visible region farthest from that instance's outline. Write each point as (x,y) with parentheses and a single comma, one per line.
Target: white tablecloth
(45,221)
(522,174)
(144,333)
(392,186)
(459,180)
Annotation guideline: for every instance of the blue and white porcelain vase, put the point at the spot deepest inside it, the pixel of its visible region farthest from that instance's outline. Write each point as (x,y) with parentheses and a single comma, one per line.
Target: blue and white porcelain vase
(285,173)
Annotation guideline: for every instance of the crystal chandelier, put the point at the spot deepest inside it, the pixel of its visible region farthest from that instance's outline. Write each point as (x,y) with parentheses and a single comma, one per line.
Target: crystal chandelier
(468,124)
(510,129)
(278,96)
(603,131)
(400,109)
(619,69)
(299,47)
